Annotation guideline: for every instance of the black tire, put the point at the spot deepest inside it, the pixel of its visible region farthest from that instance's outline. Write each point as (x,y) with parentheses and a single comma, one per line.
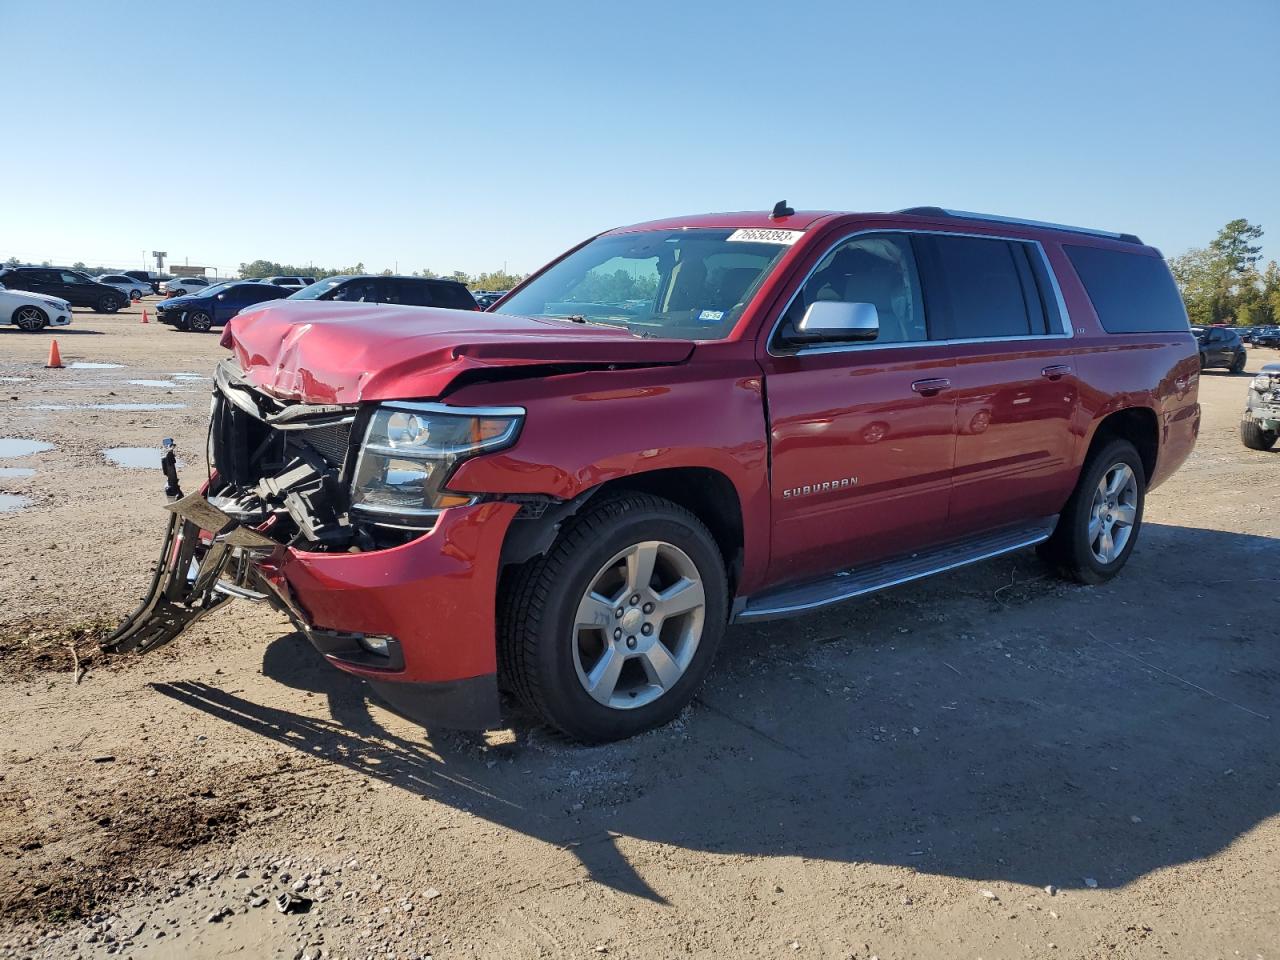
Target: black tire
(1202,361)
(1255,438)
(30,318)
(108,303)
(539,602)
(199,322)
(1237,365)
(1069,550)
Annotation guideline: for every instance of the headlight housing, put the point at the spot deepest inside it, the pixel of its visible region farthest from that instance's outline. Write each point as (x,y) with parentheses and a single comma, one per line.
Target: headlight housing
(411,449)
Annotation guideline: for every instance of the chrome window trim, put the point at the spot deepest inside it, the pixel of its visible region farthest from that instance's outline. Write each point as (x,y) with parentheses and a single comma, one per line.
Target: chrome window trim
(1066,333)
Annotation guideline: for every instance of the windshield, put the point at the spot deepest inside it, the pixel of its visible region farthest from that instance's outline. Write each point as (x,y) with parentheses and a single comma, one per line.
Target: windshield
(685,284)
(316,290)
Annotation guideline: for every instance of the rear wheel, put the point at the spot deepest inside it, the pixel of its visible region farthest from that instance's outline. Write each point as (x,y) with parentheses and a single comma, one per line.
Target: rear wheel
(1099,527)
(613,631)
(29,318)
(108,303)
(199,321)
(1254,437)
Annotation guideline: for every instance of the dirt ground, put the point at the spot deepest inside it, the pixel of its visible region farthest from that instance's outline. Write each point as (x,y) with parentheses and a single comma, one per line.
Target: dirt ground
(992,764)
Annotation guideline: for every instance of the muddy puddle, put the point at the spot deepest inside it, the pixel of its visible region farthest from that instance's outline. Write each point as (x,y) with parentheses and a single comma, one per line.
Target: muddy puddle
(11,502)
(189,376)
(14,447)
(16,472)
(130,407)
(136,458)
(85,365)
(153,383)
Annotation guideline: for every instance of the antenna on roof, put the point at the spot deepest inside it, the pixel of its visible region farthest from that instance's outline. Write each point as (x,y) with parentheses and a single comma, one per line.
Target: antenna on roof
(780,209)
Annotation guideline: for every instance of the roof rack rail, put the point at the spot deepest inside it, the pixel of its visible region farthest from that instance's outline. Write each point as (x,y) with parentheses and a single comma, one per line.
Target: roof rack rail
(942,212)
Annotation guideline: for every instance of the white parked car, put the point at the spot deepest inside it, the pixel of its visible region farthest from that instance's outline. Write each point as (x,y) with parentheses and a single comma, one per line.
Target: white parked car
(181,286)
(32,311)
(291,283)
(131,287)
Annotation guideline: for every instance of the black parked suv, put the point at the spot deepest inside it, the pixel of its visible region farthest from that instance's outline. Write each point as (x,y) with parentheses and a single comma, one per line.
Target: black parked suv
(1220,347)
(409,291)
(76,288)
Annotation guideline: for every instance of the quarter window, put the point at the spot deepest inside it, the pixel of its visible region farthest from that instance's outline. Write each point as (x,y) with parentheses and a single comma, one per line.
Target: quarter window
(878,269)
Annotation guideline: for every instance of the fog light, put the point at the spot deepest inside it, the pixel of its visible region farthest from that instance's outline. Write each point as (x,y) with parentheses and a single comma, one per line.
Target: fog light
(376,643)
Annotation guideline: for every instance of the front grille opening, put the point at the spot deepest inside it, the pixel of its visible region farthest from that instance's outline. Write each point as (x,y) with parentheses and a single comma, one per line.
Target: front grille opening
(292,475)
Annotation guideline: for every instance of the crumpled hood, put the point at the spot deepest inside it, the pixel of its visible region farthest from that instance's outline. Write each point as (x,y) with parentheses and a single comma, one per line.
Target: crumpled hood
(325,352)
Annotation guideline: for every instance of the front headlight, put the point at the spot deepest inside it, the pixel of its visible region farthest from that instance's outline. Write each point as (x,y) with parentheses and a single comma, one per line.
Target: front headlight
(1262,382)
(411,449)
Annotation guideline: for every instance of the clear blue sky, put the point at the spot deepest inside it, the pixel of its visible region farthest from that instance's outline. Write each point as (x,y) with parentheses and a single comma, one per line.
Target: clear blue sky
(463,135)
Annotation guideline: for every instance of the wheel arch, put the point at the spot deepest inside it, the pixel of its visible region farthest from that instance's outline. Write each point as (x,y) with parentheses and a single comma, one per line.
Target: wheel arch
(705,492)
(1139,425)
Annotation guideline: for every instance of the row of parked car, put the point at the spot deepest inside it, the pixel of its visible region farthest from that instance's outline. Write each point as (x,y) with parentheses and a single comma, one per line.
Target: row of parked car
(202,310)
(33,298)
(1260,336)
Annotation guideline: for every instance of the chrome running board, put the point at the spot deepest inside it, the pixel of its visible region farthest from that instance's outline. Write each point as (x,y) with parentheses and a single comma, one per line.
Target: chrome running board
(797,598)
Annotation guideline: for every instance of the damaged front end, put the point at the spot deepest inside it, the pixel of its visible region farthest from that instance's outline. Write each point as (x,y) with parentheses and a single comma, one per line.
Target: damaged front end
(275,480)
(339,516)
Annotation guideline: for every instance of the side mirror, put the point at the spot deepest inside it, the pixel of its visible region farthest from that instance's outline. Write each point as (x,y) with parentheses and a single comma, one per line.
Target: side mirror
(835,320)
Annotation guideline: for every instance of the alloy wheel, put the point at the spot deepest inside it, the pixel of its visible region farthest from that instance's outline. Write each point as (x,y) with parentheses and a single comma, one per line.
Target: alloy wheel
(638,626)
(29,319)
(1113,513)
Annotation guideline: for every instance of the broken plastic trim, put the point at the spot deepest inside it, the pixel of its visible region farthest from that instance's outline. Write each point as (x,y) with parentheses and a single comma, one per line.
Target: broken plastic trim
(176,598)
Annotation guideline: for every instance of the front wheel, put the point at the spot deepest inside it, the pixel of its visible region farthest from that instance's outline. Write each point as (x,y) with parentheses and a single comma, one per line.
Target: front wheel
(1254,437)
(1099,527)
(613,630)
(199,321)
(30,319)
(1237,365)
(108,304)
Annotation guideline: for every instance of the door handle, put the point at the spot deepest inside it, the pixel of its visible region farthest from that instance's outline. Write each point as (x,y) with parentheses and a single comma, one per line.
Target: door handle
(928,388)
(1056,371)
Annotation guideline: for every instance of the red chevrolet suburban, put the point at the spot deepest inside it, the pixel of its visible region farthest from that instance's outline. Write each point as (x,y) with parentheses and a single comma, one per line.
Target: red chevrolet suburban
(673,427)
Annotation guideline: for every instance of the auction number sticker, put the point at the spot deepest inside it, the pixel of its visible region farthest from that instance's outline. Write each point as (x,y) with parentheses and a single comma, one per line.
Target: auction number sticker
(765,235)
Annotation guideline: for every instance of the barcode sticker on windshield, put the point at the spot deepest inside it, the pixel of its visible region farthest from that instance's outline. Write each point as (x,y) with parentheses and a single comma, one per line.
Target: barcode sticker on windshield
(763,235)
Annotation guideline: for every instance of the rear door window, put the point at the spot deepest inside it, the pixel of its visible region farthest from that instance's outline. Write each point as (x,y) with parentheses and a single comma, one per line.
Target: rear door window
(1130,292)
(987,287)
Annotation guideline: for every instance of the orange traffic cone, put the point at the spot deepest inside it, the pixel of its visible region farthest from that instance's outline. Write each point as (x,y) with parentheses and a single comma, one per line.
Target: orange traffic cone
(144,315)
(55,358)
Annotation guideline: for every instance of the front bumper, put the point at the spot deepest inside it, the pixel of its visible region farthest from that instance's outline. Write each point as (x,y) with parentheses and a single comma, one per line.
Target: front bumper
(428,603)
(433,597)
(1264,412)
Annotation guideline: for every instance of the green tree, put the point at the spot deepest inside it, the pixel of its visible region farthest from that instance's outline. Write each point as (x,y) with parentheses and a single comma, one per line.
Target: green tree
(496,280)
(1234,246)
(13,262)
(79,265)
(1220,283)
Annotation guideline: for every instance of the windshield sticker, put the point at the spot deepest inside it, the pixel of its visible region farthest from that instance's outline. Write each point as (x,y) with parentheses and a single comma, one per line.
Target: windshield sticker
(763,235)
(711,315)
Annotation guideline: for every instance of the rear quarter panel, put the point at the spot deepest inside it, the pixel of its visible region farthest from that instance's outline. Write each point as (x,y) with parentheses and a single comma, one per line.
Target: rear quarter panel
(1159,372)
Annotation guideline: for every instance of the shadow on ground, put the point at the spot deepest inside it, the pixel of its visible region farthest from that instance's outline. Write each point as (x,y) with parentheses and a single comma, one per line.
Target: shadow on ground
(1039,735)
